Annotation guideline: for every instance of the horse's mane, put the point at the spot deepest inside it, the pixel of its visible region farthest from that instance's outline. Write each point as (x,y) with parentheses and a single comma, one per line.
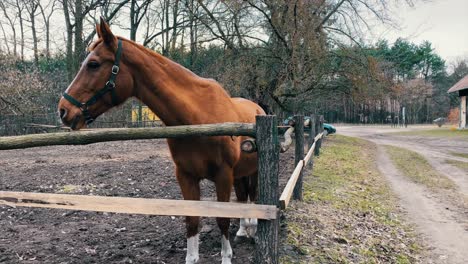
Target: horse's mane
(160,58)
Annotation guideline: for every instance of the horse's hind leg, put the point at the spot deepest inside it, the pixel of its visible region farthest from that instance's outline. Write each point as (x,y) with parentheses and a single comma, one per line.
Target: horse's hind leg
(224,182)
(241,186)
(253,194)
(246,187)
(190,188)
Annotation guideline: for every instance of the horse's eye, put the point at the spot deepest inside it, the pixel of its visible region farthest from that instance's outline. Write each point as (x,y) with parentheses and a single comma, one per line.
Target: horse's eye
(93,65)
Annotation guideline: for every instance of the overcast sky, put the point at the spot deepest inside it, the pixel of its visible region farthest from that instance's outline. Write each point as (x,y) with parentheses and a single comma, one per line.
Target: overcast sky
(442,22)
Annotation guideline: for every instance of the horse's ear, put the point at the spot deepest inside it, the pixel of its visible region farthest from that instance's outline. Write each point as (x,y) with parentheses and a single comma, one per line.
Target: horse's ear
(106,34)
(98,30)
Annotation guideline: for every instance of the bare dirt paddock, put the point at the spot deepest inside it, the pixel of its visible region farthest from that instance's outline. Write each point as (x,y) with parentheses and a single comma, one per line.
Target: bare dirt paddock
(128,169)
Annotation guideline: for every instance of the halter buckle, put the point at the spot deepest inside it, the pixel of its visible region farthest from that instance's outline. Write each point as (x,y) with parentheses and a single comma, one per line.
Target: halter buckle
(115,69)
(84,107)
(110,84)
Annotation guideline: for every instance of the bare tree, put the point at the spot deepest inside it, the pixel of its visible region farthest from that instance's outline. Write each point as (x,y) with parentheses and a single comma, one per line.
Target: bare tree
(47,10)
(32,8)
(138,10)
(11,19)
(75,14)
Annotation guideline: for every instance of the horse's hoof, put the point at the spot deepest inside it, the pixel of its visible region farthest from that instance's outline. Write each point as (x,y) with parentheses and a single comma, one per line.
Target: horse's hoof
(226,261)
(191,260)
(252,231)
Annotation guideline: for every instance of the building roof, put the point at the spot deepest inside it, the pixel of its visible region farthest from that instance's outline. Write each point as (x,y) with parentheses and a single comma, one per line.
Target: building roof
(460,85)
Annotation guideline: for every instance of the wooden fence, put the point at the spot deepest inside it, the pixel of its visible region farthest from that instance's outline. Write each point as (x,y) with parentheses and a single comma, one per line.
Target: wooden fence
(265,132)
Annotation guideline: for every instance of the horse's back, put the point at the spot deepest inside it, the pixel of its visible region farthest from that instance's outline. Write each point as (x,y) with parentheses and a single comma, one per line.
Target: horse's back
(247,110)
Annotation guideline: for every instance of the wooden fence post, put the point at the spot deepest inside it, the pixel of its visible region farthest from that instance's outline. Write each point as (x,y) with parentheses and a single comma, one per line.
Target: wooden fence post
(268,167)
(317,131)
(319,142)
(312,132)
(299,153)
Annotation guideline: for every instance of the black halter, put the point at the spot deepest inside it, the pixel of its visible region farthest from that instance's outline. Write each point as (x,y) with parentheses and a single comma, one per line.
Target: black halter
(109,87)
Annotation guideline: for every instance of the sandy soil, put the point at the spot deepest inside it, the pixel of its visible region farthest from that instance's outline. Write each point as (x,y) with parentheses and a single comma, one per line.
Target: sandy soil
(444,226)
(128,169)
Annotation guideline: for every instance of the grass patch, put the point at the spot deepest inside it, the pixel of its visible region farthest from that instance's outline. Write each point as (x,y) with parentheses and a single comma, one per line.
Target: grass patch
(348,214)
(458,154)
(75,189)
(416,167)
(438,132)
(460,164)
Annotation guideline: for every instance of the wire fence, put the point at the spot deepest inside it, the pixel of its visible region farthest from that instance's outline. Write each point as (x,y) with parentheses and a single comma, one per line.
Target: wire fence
(35,122)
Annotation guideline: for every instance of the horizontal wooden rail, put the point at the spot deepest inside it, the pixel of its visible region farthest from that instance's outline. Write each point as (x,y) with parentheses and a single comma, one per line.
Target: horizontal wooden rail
(138,205)
(288,190)
(309,155)
(319,136)
(116,134)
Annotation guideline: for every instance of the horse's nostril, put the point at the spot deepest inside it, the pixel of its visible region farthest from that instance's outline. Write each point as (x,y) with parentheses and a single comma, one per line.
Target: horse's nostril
(62,113)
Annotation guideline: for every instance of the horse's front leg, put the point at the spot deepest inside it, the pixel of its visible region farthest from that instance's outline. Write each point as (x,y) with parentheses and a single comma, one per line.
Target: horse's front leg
(224,181)
(190,187)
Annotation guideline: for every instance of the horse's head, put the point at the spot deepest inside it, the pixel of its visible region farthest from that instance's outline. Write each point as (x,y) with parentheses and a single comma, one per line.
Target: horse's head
(102,82)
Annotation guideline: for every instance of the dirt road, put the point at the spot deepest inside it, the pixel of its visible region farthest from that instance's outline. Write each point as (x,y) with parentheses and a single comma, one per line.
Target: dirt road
(443,227)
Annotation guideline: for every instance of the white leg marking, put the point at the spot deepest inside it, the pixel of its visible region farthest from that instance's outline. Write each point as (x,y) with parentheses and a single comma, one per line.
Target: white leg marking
(226,250)
(192,250)
(253,227)
(242,228)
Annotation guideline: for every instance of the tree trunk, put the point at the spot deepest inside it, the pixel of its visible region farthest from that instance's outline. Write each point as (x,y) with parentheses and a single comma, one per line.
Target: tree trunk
(20,11)
(32,16)
(193,44)
(69,60)
(133,20)
(79,43)
(166,18)
(175,12)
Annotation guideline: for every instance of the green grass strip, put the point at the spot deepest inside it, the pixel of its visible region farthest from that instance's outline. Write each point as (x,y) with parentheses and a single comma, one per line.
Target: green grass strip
(349,213)
(418,169)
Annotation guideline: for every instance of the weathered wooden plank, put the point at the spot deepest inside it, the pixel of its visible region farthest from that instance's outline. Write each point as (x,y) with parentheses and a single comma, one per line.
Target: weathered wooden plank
(266,250)
(318,137)
(288,190)
(101,135)
(309,155)
(287,140)
(138,205)
(299,153)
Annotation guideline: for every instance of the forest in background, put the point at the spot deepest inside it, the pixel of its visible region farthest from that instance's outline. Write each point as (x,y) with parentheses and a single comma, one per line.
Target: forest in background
(303,56)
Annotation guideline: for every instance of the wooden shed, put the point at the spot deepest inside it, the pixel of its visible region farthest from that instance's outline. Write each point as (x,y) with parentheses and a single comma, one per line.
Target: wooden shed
(462,88)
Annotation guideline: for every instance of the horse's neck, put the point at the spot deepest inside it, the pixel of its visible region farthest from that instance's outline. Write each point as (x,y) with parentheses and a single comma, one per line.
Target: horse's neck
(176,95)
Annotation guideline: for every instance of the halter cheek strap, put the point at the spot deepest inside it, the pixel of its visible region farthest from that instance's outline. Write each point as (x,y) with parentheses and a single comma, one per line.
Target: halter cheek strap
(108,87)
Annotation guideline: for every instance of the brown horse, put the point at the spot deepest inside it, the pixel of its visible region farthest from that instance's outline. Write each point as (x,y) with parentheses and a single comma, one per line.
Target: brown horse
(117,69)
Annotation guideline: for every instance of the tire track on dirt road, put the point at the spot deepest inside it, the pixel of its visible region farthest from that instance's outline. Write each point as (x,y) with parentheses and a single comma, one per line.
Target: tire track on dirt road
(435,155)
(448,238)
(435,150)
(444,231)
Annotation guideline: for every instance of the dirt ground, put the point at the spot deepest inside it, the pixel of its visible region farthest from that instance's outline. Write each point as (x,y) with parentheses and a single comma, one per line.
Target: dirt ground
(442,221)
(128,169)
